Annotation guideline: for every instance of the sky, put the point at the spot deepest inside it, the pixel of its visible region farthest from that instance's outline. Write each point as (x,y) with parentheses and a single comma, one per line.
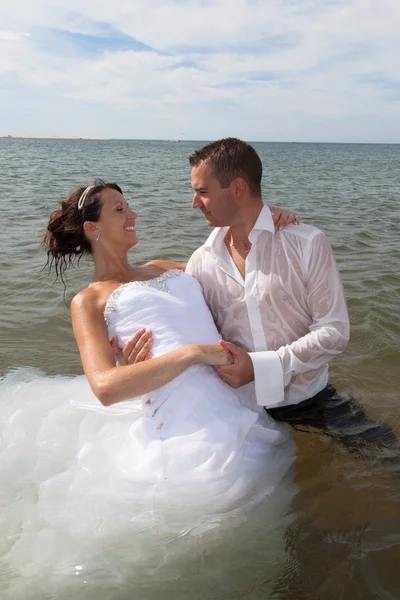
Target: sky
(262,70)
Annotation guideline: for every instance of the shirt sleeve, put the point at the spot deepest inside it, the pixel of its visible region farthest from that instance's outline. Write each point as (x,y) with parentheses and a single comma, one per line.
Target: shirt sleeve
(191,266)
(328,334)
(195,266)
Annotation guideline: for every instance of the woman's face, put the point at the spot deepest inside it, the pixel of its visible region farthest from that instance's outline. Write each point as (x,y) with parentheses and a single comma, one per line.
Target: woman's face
(117,220)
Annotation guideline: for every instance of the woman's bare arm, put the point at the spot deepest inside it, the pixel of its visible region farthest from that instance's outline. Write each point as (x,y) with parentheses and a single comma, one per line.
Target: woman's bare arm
(113,384)
(167,265)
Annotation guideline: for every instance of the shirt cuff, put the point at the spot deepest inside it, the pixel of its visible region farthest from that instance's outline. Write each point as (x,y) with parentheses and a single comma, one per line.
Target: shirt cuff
(268,378)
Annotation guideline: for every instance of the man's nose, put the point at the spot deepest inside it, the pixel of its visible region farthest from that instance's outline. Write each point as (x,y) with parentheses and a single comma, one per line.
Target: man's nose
(196,202)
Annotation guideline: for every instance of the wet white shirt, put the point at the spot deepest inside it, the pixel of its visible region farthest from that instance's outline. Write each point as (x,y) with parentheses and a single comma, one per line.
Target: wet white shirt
(289,312)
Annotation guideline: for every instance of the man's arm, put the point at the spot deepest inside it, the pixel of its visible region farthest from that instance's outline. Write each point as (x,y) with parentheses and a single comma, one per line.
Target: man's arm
(328,335)
(190,267)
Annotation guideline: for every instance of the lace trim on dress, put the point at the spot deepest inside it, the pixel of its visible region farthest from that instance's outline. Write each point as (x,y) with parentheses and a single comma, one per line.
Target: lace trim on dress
(157,282)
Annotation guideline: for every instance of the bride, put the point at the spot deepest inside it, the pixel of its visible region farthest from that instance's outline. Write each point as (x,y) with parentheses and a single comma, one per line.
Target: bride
(160,449)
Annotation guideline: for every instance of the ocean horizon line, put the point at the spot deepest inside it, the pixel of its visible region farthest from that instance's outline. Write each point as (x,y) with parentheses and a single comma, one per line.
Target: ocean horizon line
(176,140)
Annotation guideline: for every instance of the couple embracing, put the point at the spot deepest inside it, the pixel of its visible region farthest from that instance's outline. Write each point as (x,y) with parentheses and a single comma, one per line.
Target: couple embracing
(219,350)
(214,357)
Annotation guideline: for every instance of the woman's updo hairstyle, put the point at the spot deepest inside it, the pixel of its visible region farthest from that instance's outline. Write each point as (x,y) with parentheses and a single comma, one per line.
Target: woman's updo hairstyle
(65,239)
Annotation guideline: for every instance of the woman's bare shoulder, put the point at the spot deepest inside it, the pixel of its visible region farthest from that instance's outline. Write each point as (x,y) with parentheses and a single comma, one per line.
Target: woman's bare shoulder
(94,297)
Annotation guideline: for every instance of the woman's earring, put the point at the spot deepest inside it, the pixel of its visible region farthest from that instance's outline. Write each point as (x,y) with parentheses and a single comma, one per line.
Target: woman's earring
(98,236)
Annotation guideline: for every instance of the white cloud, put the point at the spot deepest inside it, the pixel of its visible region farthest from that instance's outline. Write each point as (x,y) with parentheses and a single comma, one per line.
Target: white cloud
(273,69)
(12,36)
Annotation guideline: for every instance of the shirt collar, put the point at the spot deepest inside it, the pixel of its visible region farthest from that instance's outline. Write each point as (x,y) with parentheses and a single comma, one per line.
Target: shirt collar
(263,223)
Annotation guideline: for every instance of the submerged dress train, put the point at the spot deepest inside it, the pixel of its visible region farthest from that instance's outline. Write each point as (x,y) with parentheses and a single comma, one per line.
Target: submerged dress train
(143,480)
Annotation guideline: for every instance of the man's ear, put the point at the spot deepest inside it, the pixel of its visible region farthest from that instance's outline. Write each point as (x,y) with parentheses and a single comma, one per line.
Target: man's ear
(240,188)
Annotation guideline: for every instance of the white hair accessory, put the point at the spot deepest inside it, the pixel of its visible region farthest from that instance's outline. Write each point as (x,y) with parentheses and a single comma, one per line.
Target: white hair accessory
(83,197)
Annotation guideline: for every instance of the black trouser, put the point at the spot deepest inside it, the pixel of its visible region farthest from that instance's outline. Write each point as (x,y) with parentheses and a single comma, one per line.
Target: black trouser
(342,419)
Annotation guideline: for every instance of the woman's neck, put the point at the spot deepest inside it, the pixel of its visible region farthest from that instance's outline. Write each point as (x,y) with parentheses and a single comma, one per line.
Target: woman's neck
(111,266)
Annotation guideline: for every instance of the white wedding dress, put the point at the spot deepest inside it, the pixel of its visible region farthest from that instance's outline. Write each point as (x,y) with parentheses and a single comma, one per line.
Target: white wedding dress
(79,479)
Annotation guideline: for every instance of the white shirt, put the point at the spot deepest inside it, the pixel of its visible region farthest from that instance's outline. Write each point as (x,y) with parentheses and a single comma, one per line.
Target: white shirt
(289,312)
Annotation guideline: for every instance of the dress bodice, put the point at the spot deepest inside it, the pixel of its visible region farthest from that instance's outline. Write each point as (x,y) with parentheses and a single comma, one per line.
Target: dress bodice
(172,306)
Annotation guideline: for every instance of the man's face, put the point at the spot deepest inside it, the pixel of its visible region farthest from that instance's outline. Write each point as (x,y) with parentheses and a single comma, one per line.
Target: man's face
(217,204)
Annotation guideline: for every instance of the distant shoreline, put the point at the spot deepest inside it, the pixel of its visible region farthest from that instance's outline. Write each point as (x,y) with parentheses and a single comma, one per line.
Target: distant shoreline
(204,141)
(48,137)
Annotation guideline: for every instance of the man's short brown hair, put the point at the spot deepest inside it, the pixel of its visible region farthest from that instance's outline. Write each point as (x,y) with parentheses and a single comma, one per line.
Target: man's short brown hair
(231,158)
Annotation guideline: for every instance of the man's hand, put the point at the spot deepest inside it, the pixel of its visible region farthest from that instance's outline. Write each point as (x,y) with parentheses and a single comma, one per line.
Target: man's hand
(240,371)
(136,350)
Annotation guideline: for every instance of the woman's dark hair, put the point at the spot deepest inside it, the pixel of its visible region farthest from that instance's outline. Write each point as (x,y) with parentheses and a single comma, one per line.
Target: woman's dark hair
(65,239)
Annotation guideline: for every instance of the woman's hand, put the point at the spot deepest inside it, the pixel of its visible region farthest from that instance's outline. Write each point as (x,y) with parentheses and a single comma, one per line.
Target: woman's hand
(282,218)
(212,354)
(136,350)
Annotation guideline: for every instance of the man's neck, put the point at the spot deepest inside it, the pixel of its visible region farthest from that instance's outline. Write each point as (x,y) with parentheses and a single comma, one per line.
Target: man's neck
(240,231)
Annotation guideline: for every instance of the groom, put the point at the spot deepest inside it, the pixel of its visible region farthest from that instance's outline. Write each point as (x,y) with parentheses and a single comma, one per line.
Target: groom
(277,297)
